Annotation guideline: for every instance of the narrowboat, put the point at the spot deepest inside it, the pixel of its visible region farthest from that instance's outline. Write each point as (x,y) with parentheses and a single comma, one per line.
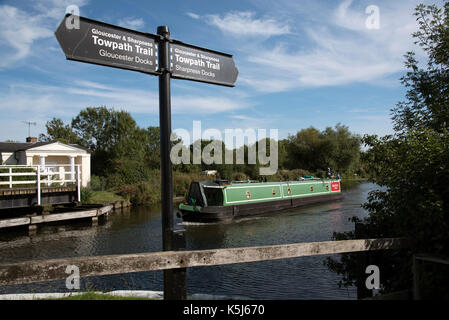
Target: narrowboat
(219,200)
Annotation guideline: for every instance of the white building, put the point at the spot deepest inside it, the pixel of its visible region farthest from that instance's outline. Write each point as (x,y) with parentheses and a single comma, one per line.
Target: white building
(54,155)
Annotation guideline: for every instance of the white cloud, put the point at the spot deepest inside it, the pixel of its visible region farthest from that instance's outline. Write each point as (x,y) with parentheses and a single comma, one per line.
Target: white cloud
(40,103)
(245,24)
(193,15)
(55,9)
(18,31)
(205,104)
(341,51)
(131,23)
(69,100)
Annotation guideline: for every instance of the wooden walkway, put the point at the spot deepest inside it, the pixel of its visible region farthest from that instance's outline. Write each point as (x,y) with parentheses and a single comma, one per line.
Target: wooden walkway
(33,221)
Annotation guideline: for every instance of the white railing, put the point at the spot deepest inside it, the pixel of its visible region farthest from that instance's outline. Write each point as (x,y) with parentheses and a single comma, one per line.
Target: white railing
(49,175)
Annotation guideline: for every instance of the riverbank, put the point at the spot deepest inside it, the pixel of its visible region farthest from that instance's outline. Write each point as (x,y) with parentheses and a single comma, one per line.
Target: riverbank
(93,212)
(89,295)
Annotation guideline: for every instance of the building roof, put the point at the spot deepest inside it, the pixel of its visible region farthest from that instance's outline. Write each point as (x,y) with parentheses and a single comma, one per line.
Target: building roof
(21,146)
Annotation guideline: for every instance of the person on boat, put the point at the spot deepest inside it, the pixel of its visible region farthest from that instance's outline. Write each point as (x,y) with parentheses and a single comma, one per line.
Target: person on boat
(329,173)
(338,176)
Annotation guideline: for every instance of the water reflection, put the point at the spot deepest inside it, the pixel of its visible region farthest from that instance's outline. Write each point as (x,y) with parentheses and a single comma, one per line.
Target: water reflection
(139,230)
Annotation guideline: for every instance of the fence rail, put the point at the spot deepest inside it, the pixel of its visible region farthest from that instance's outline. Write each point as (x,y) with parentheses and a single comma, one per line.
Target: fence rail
(49,270)
(48,175)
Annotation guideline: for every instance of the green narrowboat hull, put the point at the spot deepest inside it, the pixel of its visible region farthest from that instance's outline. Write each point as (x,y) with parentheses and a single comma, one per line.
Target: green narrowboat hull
(211,202)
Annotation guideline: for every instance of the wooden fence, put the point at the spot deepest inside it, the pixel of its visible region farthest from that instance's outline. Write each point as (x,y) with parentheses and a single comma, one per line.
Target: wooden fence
(48,270)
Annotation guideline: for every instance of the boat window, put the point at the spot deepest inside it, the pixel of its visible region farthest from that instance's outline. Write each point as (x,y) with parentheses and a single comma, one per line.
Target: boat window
(214,196)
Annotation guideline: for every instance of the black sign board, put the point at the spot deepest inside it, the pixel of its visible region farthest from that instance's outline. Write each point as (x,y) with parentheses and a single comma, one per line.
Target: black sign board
(100,43)
(199,64)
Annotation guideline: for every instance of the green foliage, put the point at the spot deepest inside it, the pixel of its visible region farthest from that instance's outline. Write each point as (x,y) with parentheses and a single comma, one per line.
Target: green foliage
(92,295)
(140,193)
(427,103)
(412,166)
(58,131)
(415,169)
(103,197)
(182,181)
(289,175)
(313,150)
(97,183)
(239,176)
(86,195)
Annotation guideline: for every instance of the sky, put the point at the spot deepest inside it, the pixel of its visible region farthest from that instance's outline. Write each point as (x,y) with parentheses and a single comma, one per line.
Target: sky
(301,64)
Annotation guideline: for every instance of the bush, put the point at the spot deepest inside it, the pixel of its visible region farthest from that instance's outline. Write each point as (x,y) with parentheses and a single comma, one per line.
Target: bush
(239,176)
(141,193)
(288,175)
(127,171)
(182,181)
(86,195)
(97,183)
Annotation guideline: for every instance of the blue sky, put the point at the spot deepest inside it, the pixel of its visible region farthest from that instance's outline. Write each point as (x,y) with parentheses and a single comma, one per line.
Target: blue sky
(301,64)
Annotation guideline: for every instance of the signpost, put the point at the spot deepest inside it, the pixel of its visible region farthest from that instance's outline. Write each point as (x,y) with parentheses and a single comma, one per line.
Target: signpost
(104,44)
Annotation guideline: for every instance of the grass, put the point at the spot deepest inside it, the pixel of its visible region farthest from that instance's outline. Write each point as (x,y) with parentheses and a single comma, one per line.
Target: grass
(99,296)
(103,197)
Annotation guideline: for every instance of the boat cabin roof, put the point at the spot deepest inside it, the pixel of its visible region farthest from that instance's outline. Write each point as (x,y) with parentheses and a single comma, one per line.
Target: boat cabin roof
(221,184)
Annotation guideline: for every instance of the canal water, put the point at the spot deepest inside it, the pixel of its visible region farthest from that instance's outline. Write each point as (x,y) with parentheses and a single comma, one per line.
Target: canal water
(139,230)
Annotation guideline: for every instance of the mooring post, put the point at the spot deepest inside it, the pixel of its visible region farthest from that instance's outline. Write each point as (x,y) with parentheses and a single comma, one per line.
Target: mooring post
(172,278)
(416,278)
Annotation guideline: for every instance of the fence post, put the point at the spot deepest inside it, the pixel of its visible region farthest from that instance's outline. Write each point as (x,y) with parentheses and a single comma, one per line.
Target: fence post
(38,185)
(10,178)
(416,278)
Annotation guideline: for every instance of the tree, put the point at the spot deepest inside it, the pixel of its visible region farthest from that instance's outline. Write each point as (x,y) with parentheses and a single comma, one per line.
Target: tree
(308,150)
(58,131)
(414,163)
(119,147)
(316,150)
(427,98)
(110,134)
(412,166)
(343,152)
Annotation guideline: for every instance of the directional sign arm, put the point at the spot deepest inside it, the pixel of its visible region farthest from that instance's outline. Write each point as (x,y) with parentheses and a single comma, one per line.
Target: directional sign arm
(199,64)
(101,43)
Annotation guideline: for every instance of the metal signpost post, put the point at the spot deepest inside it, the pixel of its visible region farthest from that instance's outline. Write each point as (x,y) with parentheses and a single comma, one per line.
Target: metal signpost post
(104,44)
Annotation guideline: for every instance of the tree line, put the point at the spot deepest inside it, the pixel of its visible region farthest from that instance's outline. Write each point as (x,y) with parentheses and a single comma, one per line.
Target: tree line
(123,153)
